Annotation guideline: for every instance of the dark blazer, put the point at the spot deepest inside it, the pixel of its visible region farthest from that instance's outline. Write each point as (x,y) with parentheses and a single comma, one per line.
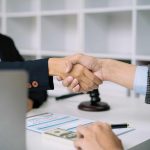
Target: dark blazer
(147,98)
(38,70)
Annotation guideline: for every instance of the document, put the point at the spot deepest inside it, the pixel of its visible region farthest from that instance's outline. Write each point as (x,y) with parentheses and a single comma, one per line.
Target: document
(49,121)
(60,126)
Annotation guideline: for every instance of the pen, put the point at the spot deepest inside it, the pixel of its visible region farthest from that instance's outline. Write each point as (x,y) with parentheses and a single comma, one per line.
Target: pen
(67,96)
(117,126)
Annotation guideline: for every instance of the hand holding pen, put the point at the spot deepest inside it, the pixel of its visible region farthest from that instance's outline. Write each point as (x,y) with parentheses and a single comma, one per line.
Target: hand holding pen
(98,136)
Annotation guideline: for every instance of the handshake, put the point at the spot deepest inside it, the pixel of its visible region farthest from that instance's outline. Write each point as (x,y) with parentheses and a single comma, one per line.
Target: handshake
(82,73)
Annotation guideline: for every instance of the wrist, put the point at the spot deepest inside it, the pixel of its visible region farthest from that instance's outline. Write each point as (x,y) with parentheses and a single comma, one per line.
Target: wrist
(119,72)
(106,66)
(52,69)
(58,66)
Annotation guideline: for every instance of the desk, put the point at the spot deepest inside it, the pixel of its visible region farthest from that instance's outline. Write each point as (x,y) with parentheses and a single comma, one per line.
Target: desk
(131,110)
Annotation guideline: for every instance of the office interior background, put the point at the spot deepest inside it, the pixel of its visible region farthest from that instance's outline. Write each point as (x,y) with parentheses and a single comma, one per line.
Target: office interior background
(118,29)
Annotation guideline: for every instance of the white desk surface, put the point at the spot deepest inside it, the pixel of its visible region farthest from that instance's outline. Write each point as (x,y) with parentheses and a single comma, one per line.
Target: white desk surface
(131,110)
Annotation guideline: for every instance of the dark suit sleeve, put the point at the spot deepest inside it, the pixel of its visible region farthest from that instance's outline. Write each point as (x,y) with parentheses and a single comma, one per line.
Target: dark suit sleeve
(37,70)
(10,53)
(147,98)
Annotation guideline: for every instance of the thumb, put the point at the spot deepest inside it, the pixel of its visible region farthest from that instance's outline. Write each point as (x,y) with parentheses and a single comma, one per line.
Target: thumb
(69,66)
(72,60)
(75,59)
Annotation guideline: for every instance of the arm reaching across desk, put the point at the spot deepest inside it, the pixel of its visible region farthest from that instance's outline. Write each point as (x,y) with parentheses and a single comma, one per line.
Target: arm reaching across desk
(41,73)
(124,74)
(106,70)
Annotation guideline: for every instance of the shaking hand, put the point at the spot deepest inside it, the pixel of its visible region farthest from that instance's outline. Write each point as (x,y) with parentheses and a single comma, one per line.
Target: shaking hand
(84,79)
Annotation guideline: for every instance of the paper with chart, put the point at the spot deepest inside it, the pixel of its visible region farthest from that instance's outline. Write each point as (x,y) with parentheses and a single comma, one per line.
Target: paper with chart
(61,125)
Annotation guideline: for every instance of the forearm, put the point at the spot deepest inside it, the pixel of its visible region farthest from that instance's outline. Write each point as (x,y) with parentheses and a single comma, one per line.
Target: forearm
(118,72)
(56,67)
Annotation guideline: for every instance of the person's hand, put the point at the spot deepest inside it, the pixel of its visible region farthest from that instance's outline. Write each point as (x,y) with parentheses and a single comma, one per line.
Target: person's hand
(91,63)
(98,136)
(85,79)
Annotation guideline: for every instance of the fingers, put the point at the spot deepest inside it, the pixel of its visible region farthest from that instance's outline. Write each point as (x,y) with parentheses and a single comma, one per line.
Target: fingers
(83,131)
(67,82)
(91,63)
(92,77)
(80,80)
(84,137)
(86,87)
(104,125)
(78,144)
(59,78)
(89,81)
(100,125)
(76,89)
(73,84)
